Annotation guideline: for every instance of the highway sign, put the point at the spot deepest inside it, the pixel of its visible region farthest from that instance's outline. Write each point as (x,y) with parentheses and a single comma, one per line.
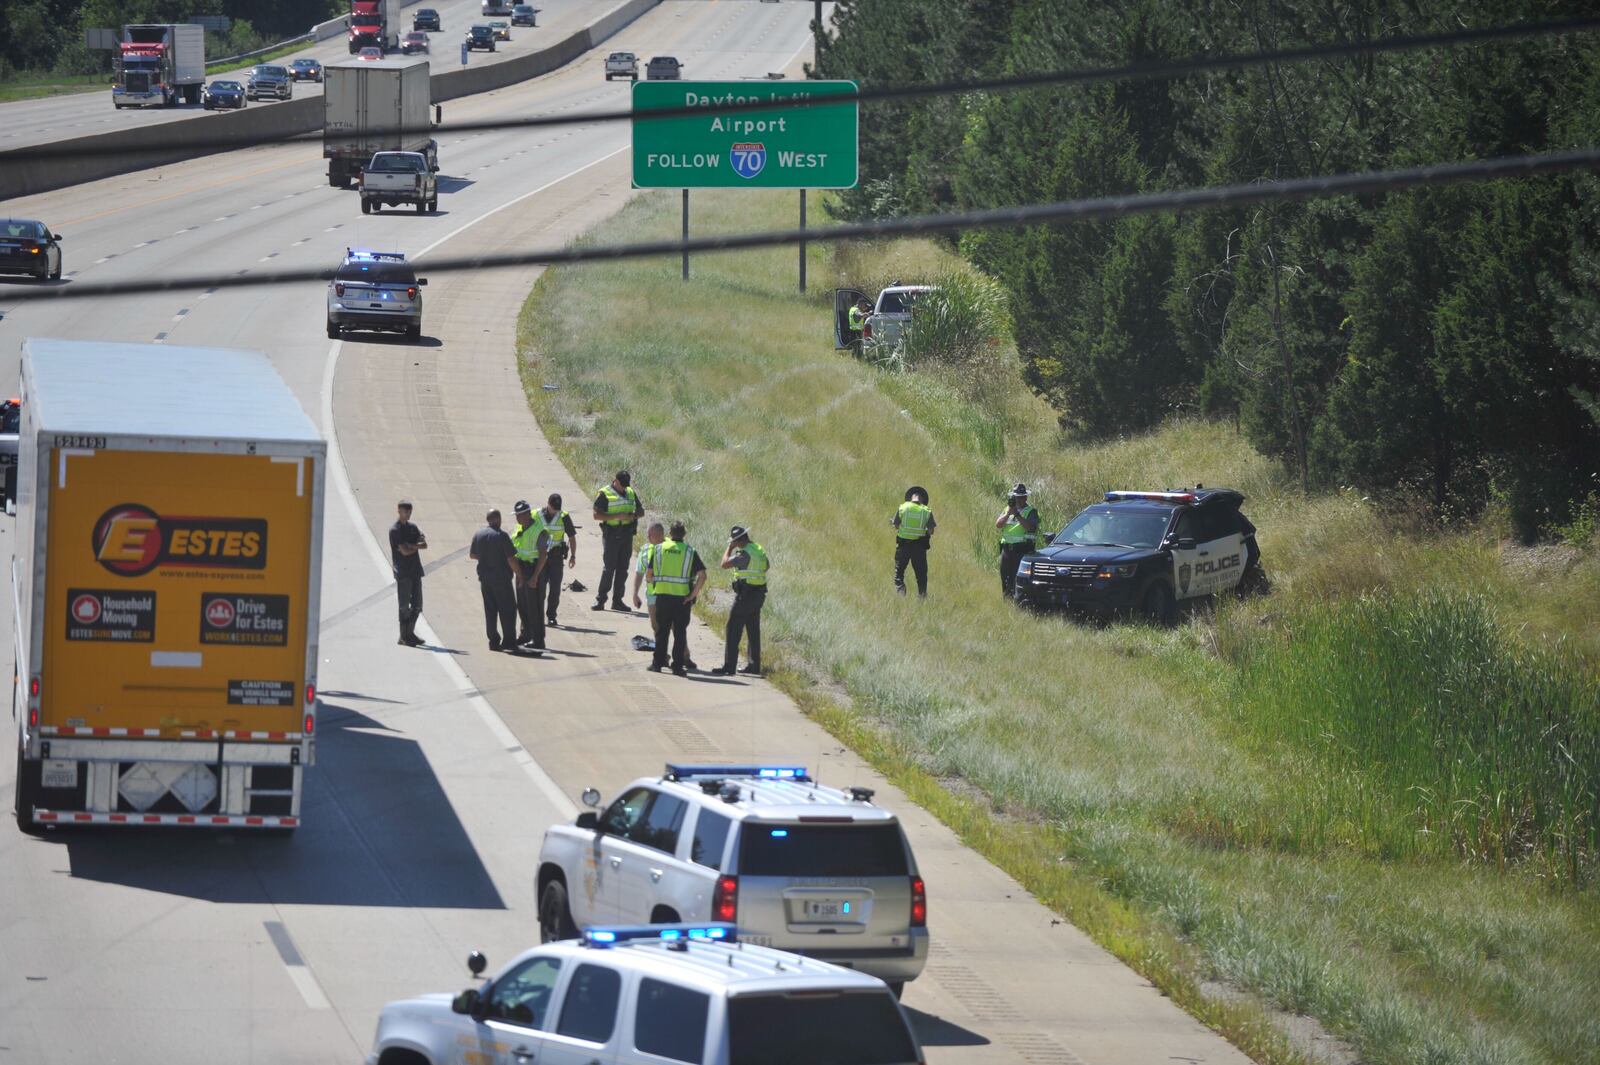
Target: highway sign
(797,147)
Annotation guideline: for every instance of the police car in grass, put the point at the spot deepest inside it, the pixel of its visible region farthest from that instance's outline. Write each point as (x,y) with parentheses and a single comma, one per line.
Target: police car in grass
(653,995)
(806,868)
(1145,552)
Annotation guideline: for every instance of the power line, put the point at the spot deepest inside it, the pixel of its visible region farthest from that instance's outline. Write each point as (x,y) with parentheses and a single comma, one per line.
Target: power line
(1164,69)
(1086,210)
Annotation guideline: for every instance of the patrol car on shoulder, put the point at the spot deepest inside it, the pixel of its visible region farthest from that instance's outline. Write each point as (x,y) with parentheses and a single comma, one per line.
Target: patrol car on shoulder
(1145,552)
(375,290)
(798,866)
(653,996)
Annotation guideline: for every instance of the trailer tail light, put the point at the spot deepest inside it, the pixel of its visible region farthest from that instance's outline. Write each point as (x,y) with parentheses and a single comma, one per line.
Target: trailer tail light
(33,700)
(311,707)
(919,903)
(866,330)
(725,903)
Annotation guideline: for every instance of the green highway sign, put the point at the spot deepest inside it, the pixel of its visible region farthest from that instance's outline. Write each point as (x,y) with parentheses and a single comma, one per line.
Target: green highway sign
(803,147)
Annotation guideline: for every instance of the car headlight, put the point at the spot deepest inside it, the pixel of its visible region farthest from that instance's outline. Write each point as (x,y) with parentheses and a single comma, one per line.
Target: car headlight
(1107,573)
(1025,568)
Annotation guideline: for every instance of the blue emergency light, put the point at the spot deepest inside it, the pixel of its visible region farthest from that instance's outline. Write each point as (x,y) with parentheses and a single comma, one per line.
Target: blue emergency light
(697,770)
(661,933)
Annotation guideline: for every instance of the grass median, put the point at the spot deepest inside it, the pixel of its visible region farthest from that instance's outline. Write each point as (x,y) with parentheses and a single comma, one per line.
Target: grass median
(1370,798)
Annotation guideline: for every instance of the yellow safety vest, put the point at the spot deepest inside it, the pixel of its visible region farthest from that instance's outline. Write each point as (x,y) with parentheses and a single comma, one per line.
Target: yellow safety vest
(620,509)
(1015,532)
(913,521)
(672,564)
(526,539)
(755,574)
(858,318)
(556,526)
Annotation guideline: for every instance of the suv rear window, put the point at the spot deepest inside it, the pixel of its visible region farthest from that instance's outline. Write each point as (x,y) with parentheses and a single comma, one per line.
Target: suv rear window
(853,1028)
(377,273)
(863,848)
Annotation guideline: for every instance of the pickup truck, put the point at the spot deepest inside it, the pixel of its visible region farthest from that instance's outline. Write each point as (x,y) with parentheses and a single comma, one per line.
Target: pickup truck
(393,178)
(886,324)
(622,65)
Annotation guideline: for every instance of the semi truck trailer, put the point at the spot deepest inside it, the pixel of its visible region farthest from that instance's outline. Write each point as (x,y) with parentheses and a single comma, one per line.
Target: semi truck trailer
(161,64)
(374,24)
(381,106)
(165,588)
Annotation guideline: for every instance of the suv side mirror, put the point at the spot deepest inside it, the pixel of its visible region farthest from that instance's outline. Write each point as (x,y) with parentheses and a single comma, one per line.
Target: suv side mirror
(55,236)
(476,963)
(588,819)
(1181,543)
(466,1002)
(422,281)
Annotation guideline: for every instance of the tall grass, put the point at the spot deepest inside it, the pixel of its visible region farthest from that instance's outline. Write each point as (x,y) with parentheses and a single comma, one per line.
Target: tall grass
(1344,795)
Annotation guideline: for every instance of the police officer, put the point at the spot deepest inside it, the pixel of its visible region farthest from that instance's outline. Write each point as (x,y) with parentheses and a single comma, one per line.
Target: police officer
(749,595)
(913,532)
(496,557)
(532,544)
(617,509)
(563,549)
(857,320)
(676,574)
(1018,525)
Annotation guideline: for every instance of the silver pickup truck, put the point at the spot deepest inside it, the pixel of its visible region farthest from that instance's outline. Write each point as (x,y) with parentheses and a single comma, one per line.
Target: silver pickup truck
(393,178)
(622,65)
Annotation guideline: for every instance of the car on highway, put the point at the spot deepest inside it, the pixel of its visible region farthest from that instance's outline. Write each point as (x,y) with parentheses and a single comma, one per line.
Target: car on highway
(496,7)
(480,38)
(369,54)
(392,178)
(502,30)
(797,865)
(221,95)
(375,290)
(622,65)
(269,80)
(524,15)
(427,18)
(306,70)
(29,247)
(1145,552)
(414,43)
(653,995)
(664,68)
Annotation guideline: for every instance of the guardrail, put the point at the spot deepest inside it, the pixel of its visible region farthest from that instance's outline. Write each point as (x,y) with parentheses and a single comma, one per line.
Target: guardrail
(122,151)
(261,51)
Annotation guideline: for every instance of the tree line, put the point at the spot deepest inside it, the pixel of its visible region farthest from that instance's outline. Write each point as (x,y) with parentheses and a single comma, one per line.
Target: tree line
(1441,344)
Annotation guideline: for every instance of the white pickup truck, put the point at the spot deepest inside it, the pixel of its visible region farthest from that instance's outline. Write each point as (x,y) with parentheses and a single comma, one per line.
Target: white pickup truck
(887,324)
(622,65)
(393,178)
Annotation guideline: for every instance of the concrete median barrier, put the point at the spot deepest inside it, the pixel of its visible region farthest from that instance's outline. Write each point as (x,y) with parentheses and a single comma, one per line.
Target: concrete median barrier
(125,151)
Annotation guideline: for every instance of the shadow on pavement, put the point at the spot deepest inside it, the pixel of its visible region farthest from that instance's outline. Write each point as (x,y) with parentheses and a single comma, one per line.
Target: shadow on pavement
(377,830)
(935,1031)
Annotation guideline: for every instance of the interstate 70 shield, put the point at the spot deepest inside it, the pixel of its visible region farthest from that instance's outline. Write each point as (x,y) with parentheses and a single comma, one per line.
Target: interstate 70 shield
(748,159)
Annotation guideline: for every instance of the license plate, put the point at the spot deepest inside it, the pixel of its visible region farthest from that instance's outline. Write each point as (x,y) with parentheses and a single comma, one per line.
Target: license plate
(60,774)
(827,908)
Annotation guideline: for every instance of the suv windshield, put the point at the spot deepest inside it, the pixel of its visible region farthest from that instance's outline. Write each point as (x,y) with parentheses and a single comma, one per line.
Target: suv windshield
(272,72)
(851,1028)
(1116,528)
(862,848)
(377,273)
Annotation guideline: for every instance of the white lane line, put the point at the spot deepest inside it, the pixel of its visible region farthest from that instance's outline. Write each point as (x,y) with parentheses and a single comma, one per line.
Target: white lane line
(104,259)
(264,258)
(207,293)
(179,316)
(299,242)
(160,337)
(295,966)
(258,207)
(224,218)
(564,806)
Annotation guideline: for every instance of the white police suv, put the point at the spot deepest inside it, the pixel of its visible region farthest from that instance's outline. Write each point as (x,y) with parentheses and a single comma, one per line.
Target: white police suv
(654,995)
(375,290)
(798,866)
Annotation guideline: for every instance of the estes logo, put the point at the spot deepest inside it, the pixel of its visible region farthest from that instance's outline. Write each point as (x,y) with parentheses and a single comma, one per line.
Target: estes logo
(130,539)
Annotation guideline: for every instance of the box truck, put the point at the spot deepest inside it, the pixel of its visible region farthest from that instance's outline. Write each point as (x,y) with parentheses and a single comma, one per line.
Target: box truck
(381,106)
(165,588)
(159,64)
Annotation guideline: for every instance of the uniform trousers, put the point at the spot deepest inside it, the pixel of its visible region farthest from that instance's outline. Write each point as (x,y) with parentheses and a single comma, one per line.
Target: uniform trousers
(914,552)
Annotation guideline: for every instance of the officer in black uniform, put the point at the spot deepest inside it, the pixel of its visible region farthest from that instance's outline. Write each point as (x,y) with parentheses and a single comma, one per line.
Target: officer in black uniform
(617,509)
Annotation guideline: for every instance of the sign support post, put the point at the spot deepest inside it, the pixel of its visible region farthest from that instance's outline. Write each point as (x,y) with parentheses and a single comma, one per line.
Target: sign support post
(686,234)
(802,243)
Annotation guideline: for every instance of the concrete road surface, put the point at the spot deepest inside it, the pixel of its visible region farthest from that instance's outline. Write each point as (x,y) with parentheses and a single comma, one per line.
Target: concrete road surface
(438,770)
(54,118)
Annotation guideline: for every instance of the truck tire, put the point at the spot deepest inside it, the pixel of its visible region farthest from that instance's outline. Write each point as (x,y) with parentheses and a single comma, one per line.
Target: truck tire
(333,331)
(413,332)
(366,205)
(555,916)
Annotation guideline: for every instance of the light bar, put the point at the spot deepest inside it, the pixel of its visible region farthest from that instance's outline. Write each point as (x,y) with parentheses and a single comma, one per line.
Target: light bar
(1153,497)
(702,770)
(660,933)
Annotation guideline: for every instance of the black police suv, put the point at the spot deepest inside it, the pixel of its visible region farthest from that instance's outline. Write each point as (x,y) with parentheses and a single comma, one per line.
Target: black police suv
(1145,552)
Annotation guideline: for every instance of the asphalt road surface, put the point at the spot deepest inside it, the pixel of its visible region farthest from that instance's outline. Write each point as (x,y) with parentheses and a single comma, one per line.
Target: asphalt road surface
(53,118)
(438,770)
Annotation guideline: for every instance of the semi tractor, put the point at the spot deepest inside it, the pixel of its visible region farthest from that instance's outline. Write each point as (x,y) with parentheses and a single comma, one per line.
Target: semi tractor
(159,64)
(374,24)
(382,106)
(164,588)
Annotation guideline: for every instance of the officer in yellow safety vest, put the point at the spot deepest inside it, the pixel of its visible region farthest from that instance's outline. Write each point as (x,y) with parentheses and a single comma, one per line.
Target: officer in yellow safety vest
(749,595)
(617,509)
(857,319)
(913,532)
(1019,526)
(675,574)
(563,552)
(532,544)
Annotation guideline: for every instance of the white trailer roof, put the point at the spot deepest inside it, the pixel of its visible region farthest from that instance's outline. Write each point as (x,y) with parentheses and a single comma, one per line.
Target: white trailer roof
(99,388)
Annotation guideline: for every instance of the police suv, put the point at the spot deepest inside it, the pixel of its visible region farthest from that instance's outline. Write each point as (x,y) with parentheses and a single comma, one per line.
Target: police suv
(802,867)
(1145,552)
(375,290)
(653,995)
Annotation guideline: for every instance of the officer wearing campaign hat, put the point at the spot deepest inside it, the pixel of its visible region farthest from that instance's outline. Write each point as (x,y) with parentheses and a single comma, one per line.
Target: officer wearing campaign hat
(1019,528)
(749,596)
(913,532)
(532,542)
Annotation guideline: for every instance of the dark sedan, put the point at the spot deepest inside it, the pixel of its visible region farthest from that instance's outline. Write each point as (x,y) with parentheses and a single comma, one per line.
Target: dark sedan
(305,70)
(28,247)
(223,94)
(480,37)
